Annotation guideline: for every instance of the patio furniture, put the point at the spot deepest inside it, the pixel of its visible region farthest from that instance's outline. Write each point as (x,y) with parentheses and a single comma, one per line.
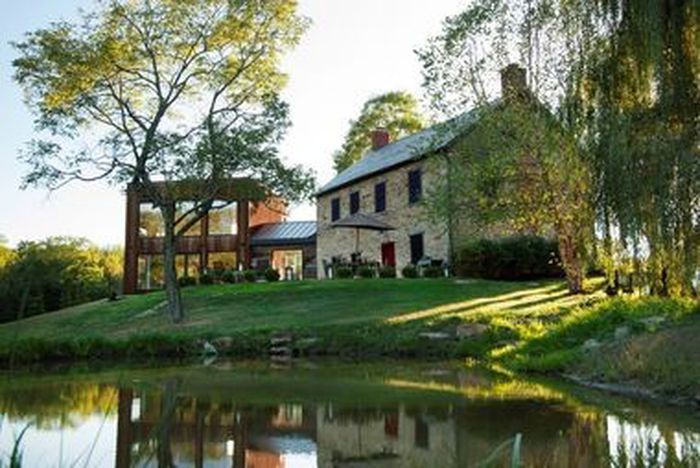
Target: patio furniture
(360,221)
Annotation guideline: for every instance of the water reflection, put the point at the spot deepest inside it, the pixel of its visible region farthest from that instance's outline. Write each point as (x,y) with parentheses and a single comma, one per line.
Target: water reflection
(332,416)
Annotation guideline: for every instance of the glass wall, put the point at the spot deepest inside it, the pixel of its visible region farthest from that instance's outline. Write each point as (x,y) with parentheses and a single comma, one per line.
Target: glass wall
(150,221)
(223,220)
(151,274)
(182,208)
(222,261)
(288,263)
(187,265)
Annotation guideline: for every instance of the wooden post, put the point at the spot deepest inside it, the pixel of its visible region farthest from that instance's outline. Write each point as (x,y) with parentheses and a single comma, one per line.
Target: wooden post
(243,237)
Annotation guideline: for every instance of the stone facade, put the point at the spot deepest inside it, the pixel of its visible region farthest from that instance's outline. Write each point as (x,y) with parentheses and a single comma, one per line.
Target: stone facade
(407,218)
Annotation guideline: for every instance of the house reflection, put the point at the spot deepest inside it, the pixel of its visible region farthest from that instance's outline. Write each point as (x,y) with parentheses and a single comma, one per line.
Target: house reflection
(162,429)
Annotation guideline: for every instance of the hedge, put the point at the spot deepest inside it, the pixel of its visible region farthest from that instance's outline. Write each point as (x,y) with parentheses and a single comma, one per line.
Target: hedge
(510,258)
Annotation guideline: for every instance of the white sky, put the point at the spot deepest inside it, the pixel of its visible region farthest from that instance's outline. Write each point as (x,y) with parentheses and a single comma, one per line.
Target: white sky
(354,50)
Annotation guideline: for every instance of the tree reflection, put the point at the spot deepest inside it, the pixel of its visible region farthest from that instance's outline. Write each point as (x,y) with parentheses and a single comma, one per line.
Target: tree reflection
(176,419)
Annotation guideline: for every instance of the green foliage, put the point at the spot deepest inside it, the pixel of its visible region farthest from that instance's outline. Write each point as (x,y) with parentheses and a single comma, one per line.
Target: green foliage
(432,271)
(343,272)
(56,273)
(510,258)
(230,276)
(6,256)
(366,272)
(387,272)
(250,276)
(206,279)
(398,112)
(409,271)
(185,281)
(272,275)
(637,87)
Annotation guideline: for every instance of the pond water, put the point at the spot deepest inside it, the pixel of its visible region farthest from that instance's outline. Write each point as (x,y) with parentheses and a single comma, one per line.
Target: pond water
(329,414)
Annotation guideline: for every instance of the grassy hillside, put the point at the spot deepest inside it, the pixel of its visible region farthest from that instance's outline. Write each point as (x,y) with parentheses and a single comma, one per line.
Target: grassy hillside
(222,309)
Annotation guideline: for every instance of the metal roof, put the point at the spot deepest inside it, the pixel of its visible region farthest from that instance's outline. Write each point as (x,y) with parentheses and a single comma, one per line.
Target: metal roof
(290,232)
(405,149)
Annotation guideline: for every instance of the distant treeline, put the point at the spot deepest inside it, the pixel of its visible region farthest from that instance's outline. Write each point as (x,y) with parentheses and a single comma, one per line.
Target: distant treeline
(40,277)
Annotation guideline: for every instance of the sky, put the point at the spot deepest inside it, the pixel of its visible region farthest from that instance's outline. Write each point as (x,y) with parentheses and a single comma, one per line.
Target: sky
(354,50)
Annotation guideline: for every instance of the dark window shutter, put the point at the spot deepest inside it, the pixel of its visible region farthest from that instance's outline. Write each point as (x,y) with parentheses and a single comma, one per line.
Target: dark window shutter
(354,202)
(415,186)
(416,248)
(380,197)
(335,209)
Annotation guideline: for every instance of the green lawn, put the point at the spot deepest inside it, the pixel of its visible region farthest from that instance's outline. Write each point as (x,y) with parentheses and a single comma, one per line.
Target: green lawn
(223,309)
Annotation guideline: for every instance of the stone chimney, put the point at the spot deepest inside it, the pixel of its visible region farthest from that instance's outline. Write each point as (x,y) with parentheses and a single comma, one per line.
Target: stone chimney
(513,82)
(380,138)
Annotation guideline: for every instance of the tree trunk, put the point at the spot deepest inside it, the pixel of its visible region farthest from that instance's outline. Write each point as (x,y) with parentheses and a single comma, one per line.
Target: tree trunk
(172,288)
(571,262)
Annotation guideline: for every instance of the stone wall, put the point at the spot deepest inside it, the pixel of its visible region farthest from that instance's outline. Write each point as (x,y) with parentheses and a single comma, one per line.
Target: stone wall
(408,219)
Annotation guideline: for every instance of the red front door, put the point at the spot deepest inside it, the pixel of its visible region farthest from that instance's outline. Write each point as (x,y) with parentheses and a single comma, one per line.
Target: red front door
(388,254)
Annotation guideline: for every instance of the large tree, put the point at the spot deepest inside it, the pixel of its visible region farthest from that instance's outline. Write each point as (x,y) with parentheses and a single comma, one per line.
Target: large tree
(150,91)
(522,168)
(6,253)
(636,92)
(58,272)
(396,111)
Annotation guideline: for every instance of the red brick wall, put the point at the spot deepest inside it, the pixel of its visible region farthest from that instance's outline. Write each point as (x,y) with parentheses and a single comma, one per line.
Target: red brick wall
(271,211)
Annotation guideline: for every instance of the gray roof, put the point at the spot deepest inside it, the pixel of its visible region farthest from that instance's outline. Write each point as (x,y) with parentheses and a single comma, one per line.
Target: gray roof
(404,150)
(290,232)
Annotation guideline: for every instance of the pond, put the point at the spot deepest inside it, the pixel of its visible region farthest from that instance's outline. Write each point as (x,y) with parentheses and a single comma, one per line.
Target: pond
(329,414)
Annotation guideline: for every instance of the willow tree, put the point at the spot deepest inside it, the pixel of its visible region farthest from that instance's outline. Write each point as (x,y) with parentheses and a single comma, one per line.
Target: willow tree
(636,93)
(396,111)
(521,168)
(149,91)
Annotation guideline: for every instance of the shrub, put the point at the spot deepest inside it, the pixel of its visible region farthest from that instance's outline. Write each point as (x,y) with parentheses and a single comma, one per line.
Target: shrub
(272,275)
(510,258)
(343,272)
(409,271)
(387,272)
(230,276)
(366,272)
(185,281)
(432,271)
(206,278)
(250,276)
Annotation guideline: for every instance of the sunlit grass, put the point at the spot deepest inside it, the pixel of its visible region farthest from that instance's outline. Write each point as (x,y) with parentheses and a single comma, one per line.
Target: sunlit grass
(517,302)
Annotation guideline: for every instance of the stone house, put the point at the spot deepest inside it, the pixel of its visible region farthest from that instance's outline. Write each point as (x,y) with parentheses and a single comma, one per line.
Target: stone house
(388,184)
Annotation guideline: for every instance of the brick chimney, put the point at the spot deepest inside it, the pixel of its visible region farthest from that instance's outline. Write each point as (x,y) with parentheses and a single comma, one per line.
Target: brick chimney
(380,138)
(513,82)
